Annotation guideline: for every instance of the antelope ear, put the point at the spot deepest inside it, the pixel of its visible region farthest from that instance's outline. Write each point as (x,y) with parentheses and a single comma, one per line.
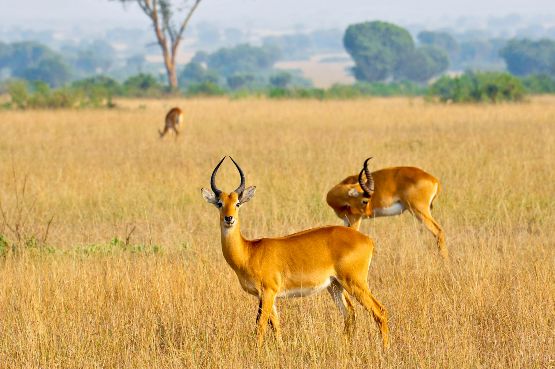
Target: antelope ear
(247,194)
(353,193)
(209,196)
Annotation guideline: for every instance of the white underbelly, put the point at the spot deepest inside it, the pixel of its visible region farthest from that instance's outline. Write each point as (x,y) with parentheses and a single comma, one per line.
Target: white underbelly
(395,209)
(304,291)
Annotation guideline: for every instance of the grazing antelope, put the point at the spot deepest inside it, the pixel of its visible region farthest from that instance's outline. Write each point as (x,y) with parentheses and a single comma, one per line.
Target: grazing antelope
(173,119)
(388,192)
(335,258)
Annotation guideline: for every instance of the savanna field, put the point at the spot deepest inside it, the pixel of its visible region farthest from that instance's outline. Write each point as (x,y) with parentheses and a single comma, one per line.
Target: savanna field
(112,259)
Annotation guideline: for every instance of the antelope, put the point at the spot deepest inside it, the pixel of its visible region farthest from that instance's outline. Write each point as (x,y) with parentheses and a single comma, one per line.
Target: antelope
(388,192)
(173,119)
(335,258)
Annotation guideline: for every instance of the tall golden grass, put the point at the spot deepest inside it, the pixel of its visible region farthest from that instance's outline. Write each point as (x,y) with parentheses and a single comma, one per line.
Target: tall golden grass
(129,273)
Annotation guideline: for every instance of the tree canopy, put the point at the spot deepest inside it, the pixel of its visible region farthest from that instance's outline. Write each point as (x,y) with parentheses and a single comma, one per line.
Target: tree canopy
(34,62)
(423,64)
(525,57)
(383,51)
(377,48)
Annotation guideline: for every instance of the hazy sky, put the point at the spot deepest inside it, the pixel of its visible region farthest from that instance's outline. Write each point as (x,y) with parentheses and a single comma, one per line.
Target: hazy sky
(272,13)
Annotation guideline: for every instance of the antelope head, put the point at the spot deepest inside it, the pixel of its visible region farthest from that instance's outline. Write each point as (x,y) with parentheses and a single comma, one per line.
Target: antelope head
(228,204)
(360,194)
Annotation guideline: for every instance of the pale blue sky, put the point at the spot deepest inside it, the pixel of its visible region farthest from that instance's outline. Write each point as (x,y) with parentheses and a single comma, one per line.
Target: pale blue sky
(271,13)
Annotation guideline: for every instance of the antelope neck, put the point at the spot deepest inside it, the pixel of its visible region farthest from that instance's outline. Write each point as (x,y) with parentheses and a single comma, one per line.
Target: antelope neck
(234,246)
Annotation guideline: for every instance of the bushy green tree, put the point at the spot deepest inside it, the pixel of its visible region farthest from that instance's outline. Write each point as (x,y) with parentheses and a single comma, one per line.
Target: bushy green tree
(196,73)
(377,48)
(281,79)
(240,80)
(441,40)
(423,64)
(52,71)
(539,84)
(479,87)
(525,57)
(242,59)
(142,85)
(35,62)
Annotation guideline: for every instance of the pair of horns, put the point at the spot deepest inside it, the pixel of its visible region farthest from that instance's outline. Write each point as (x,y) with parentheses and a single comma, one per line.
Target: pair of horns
(367,187)
(239,190)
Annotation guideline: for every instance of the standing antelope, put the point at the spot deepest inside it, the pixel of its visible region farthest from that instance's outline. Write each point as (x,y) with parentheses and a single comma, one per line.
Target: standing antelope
(335,258)
(173,119)
(388,192)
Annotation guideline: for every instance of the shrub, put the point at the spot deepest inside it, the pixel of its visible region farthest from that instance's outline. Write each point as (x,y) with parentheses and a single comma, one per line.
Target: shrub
(204,89)
(478,87)
(142,85)
(38,95)
(539,84)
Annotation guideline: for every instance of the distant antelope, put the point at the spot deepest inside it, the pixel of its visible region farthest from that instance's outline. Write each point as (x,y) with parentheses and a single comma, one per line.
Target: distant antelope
(388,192)
(173,119)
(334,258)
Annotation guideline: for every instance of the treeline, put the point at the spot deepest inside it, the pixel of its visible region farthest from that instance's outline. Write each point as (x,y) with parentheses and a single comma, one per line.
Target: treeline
(100,91)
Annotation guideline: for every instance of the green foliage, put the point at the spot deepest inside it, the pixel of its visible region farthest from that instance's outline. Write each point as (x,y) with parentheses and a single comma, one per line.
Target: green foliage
(377,48)
(525,57)
(423,64)
(539,84)
(195,73)
(357,90)
(240,81)
(204,89)
(38,95)
(4,245)
(18,93)
(292,46)
(52,71)
(281,79)
(383,51)
(479,54)
(99,90)
(441,40)
(34,62)
(242,59)
(142,85)
(478,87)
(116,246)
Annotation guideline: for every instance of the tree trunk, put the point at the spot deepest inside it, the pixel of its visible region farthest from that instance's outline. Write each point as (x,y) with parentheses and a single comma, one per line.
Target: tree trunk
(172,75)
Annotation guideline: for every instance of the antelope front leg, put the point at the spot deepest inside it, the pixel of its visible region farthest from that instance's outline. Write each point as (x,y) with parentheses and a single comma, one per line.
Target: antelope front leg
(264,313)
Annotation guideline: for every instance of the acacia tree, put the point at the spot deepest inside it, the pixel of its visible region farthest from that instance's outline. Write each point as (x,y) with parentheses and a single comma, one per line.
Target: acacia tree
(168,33)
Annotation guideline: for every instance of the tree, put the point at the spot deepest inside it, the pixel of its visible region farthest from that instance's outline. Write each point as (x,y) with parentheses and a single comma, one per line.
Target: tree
(169,36)
(479,87)
(423,64)
(142,85)
(281,79)
(52,71)
(242,59)
(240,80)
(377,48)
(196,73)
(441,40)
(34,62)
(525,57)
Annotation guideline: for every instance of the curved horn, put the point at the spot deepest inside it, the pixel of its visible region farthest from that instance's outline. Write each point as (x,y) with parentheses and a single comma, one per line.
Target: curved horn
(369,179)
(367,187)
(213,178)
(239,190)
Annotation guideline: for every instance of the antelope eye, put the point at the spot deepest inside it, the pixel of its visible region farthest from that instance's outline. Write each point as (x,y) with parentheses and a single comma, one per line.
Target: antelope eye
(364,202)
(219,204)
(238,204)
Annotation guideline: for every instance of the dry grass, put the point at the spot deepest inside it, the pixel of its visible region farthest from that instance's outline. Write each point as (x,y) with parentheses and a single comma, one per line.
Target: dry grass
(161,294)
